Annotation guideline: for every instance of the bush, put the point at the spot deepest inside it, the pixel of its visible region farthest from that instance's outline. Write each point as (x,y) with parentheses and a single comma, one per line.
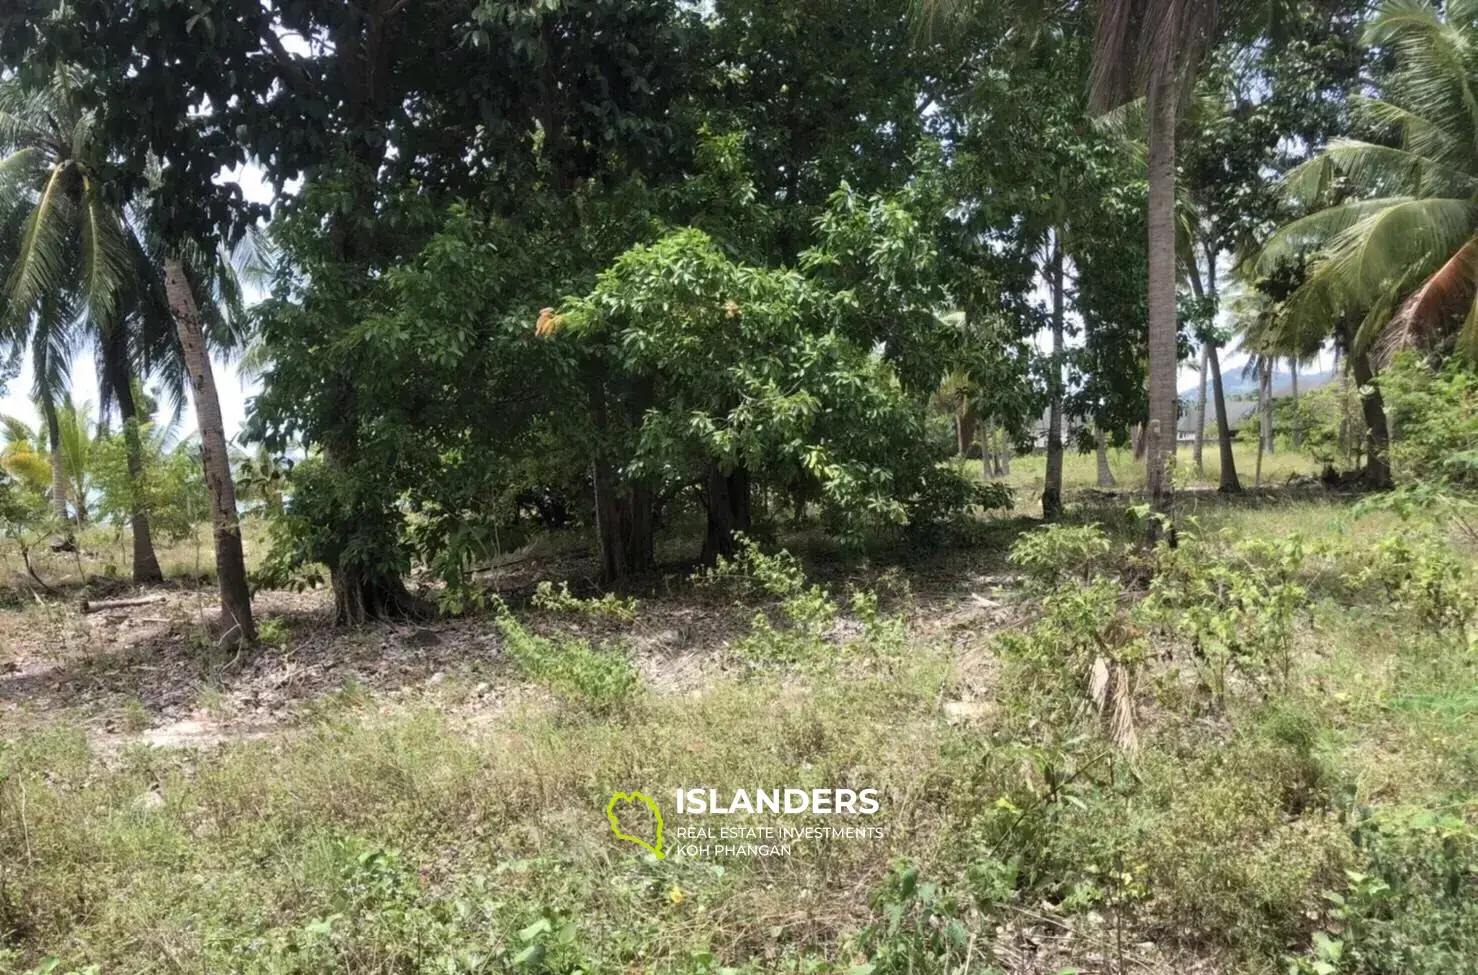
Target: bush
(1409,907)
(1056,553)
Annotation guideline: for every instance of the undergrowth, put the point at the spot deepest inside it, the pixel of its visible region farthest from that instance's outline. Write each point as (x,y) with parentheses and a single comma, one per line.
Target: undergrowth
(1257,753)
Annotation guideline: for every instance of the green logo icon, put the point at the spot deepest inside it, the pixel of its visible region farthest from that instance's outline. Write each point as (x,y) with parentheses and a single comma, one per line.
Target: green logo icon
(656,847)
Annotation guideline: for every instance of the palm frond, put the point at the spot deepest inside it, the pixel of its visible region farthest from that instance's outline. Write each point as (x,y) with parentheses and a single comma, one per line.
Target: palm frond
(105,254)
(1418,133)
(1386,170)
(1448,288)
(17,166)
(1388,244)
(40,263)
(54,342)
(1316,231)
(1434,75)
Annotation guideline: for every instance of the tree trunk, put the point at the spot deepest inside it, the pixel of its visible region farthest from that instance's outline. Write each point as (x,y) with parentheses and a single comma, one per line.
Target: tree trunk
(1052,489)
(623,524)
(1257,473)
(1105,473)
(1265,395)
(965,423)
(1163,403)
(236,621)
(1377,434)
(1347,438)
(988,466)
(728,512)
(58,470)
(1295,438)
(624,510)
(119,378)
(1197,451)
(1228,481)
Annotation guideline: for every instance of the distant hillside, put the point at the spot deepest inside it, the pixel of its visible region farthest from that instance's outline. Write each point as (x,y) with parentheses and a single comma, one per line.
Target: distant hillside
(1237,386)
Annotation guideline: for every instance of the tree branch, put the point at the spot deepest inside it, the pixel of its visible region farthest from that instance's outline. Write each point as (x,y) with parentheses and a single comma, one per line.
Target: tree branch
(296,76)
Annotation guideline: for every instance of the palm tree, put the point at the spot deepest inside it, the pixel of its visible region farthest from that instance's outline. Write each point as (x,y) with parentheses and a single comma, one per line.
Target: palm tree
(1153,46)
(75,430)
(1395,232)
(72,268)
(188,272)
(23,455)
(75,255)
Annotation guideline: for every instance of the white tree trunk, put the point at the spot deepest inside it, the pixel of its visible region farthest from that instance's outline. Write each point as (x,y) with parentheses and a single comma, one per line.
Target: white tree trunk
(1198,450)
(1105,473)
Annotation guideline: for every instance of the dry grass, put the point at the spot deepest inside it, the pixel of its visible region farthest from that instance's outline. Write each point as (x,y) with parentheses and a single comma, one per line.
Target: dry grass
(391,798)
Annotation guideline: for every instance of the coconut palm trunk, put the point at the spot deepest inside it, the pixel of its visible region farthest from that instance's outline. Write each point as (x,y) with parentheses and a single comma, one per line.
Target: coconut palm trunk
(1052,489)
(1377,435)
(1295,438)
(1265,405)
(236,620)
(54,443)
(1163,403)
(119,379)
(1198,450)
(1227,481)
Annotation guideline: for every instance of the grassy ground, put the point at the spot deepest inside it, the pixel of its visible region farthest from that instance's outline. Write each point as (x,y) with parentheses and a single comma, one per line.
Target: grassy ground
(105,553)
(1080,471)
(433,799)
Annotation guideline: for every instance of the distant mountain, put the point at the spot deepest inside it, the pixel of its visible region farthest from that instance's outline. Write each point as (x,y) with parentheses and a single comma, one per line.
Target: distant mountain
(1237,386)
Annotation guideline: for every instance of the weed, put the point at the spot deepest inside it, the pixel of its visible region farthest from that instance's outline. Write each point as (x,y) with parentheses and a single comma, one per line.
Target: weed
(604,681)
(272,632)
(608,606)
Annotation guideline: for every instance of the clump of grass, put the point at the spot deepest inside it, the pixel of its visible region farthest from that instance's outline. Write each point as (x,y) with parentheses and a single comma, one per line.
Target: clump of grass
(602,680)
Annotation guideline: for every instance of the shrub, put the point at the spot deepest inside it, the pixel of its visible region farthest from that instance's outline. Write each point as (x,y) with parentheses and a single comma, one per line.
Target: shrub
(1236,610)
(1057,553)
(1419,573)
(1410,907)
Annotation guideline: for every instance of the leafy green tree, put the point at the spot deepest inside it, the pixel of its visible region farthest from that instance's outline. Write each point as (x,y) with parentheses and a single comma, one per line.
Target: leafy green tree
(497,100)
(263,478)
(171,484)
(753,375)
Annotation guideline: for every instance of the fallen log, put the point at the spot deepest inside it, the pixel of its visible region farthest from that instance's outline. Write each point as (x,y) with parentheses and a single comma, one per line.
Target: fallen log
(91,607)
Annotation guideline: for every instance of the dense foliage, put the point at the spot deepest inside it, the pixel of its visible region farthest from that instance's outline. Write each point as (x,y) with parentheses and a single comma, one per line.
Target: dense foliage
(639,292)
